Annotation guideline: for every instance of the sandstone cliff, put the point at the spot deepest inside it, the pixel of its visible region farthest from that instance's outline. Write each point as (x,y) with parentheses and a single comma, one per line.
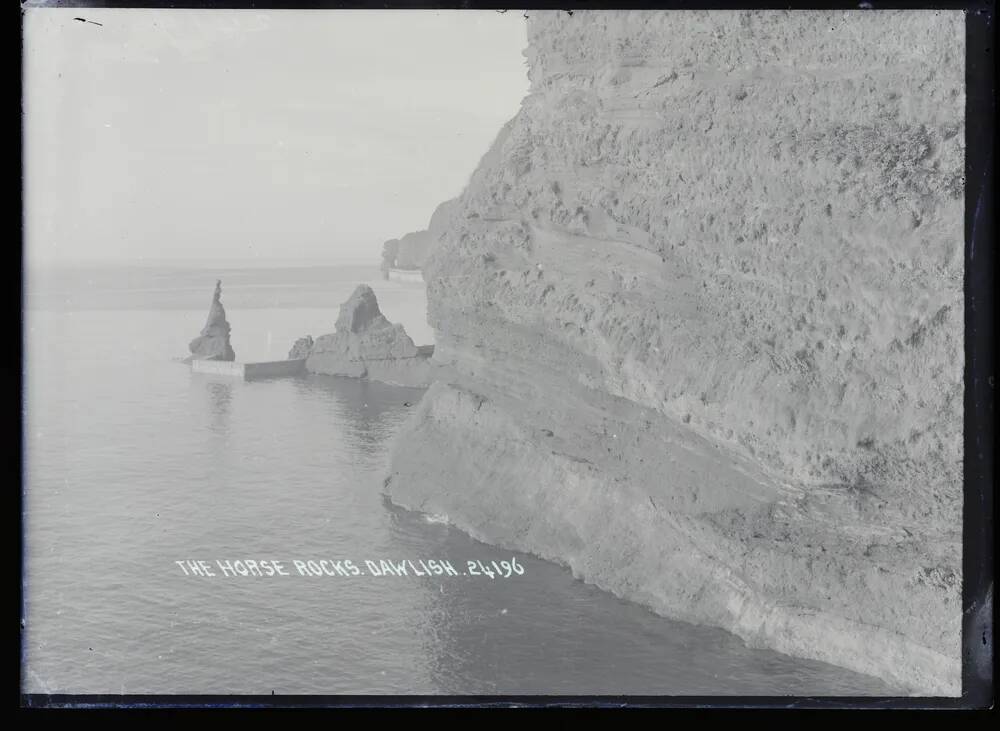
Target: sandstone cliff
(702,304)
(366,345)
(213,342)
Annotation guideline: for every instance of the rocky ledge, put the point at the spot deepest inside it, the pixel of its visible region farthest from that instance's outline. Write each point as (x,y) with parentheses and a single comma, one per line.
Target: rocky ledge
(702,308)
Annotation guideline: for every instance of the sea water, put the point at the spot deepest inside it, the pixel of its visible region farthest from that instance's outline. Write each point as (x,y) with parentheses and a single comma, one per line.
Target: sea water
(133,463)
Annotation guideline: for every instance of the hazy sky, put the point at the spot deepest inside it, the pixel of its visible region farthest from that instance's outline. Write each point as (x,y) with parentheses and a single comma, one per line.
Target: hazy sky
(225,136)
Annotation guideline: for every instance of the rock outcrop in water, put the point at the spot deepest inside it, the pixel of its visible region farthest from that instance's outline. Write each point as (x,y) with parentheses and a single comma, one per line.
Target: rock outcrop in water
(213,343)
(367,345)
(702,308)
(301,349)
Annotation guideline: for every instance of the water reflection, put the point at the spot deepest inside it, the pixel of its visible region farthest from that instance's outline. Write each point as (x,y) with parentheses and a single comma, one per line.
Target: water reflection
(367,410)
(501,635)
(221,395)
(219,401)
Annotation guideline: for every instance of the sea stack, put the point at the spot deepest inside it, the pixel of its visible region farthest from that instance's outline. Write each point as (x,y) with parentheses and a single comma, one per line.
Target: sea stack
(213,343)
(703,304)
(301,348)
(367,345)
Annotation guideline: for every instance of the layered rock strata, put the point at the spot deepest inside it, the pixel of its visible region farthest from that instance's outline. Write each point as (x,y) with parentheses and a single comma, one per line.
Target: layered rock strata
(701,305)
(366,345)
(213,342)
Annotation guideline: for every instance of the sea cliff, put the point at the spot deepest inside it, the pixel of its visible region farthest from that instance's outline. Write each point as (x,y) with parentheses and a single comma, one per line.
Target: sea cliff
(701,310)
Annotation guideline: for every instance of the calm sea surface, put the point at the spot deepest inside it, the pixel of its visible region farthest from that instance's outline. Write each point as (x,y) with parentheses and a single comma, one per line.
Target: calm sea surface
(133,463)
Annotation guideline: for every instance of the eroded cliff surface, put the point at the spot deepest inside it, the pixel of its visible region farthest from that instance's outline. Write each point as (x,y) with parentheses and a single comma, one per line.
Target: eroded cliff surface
(701,307)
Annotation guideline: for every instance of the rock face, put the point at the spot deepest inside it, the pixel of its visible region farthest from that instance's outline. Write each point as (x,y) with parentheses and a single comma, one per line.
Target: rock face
(301,349)
(702,308)
(366,344)
(213,343)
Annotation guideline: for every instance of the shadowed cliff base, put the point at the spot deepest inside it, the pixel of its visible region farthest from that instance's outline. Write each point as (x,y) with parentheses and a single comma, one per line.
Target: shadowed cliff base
(701,311)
